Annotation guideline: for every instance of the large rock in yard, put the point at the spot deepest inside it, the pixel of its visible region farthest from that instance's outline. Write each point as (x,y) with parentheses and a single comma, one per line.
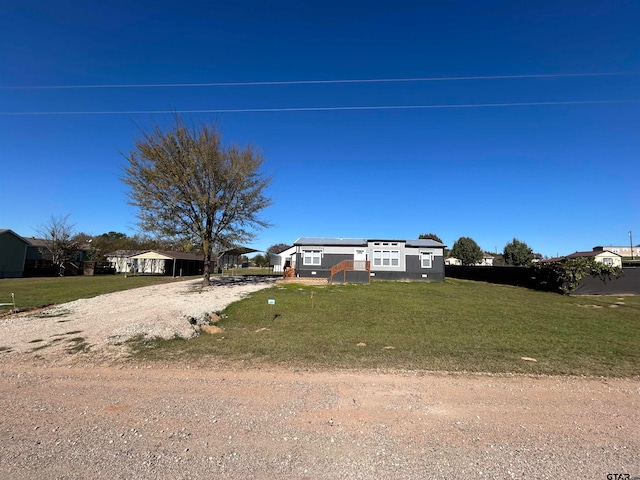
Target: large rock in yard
(211,329)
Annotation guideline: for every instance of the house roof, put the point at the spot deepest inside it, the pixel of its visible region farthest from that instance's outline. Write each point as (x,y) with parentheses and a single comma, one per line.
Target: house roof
(362,242)
(285,253)
(167,255)
(424,242)
(592,253)
(553,259)
(589,254)
(48,243)
(11,232)
(238,251)
(38,242)
(124,253)
(331,241)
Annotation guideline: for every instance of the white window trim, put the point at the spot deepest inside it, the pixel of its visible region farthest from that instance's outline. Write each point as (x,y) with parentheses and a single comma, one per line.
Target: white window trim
(390,258)
(422,255)
(311,251)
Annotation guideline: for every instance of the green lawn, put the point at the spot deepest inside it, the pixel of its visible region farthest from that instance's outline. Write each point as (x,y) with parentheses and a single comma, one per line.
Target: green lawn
(43,291)
(453,326)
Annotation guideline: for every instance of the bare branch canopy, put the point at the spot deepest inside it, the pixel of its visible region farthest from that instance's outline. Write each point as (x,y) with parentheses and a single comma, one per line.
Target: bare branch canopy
(189,186)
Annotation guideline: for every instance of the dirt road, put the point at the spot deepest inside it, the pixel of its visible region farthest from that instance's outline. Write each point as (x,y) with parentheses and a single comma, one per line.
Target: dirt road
(144,421)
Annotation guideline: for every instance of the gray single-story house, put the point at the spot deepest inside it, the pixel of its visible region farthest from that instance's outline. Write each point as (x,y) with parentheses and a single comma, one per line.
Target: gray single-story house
(360,259)
(13,251)
(39,261)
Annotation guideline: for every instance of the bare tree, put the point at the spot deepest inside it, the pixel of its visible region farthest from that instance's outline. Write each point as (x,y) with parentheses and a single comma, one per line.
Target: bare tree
(188,186)
(278,248)
(60,241)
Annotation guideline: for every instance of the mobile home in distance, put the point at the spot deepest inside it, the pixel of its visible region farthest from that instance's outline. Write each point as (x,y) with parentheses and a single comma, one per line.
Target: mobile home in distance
(359,259)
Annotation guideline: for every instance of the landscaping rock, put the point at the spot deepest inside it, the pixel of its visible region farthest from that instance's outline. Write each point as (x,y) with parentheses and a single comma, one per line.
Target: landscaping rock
(212,329)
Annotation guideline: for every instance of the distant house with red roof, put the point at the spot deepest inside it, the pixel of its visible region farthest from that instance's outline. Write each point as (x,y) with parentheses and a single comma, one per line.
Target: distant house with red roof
(598,254)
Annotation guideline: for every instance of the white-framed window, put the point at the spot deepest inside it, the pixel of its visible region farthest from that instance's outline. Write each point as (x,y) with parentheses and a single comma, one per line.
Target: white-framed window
(607,261)
(386,258)
(426,260)
(311,257)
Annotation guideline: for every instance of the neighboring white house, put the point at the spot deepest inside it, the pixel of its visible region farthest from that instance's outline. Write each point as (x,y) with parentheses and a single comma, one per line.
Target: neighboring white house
(487,261)
(156,262)
(283,260)
(600,255)
(626,251)
(151,262)
(120,259)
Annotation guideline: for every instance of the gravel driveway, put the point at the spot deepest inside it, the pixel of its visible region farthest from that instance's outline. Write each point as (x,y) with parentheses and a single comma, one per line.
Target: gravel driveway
(93,418)
(101,324)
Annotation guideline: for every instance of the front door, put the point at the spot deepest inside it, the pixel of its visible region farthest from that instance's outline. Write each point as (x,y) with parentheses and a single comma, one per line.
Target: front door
(360,259)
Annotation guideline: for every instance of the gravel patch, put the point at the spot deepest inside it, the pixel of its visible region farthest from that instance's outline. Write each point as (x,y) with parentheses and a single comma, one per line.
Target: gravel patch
(107,321)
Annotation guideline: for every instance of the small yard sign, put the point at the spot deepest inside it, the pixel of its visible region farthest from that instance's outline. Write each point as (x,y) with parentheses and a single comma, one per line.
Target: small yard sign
(271,303)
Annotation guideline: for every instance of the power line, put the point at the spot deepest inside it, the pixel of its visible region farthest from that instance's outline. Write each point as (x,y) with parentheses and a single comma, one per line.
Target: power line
(327,109)
(317,82)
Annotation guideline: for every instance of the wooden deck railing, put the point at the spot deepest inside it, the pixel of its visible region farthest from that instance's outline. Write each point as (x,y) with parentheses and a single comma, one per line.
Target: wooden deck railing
(350,265)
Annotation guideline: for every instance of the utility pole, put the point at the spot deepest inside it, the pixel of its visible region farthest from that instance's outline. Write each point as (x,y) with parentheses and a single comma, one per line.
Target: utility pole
(631,243)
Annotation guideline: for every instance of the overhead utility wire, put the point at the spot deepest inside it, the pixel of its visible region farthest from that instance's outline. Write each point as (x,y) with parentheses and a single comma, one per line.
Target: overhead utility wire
(329,109)
(314,82)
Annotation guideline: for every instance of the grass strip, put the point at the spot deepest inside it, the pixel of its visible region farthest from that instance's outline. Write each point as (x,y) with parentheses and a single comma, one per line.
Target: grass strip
(453,326)
(39,292)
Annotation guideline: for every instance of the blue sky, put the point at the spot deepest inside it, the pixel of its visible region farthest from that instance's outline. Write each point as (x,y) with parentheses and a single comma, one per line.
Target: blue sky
(559,175)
